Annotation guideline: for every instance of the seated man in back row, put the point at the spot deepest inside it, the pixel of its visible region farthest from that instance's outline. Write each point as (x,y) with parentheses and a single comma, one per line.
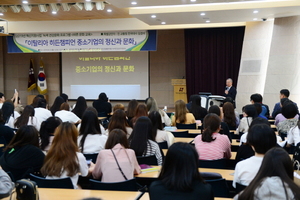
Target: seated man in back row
(284,93)
(257,98)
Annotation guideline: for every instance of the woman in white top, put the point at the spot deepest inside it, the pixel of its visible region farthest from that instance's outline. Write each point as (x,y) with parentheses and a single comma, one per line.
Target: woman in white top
(90,140)
(27,118)
(118,120)
(66,115)
(152,106)
(40,112)
(63,159)
(157,129)
(9,115)
(249,113)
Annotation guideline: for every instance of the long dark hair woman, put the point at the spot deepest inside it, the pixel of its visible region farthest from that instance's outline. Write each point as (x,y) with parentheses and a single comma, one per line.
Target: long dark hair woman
(118,121)
(23,155)
(229,116)
(27,118)
(56,104)
(249,114)
(131,109)
(80,107)
(8,114)
(157,129)
(179,177)
(90,139)
(142,141)
(274,179)
(212,145)
(198,111)
(47,132)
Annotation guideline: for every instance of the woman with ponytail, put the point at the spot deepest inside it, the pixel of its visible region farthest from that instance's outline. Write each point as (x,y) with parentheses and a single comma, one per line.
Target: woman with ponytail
(211,145)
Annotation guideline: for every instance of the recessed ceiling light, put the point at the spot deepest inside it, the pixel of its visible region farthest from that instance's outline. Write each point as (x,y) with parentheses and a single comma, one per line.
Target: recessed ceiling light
(133,3)
(1,14)
(109,10)
(163,22)
(193,0)
(254,19)
(207,21)
(255,11)
(54,12)
(153,16)
(87,0)
(202,14)
(25,2)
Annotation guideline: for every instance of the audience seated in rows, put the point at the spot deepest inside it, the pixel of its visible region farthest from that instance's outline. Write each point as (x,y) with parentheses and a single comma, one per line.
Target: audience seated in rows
(142,140)
(41,112)
(90,140)
(274,179)
(262,138)
(211,145)
(257,98)
(179,177)
(152,106)
(116,163)
(229,116)
(182,115)
(63,159)
(23,155)
(157,129)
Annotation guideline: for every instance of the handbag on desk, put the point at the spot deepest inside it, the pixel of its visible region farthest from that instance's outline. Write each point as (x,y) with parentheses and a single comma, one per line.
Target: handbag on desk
(26,190)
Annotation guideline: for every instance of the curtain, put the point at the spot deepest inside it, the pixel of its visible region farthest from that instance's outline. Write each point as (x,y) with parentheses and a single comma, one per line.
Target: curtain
(212,55)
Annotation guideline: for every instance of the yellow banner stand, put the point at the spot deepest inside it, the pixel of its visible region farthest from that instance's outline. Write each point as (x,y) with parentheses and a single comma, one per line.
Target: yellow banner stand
(179,89)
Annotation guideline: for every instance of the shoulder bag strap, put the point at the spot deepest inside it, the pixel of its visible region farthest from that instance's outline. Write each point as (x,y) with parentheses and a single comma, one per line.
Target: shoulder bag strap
(119,165)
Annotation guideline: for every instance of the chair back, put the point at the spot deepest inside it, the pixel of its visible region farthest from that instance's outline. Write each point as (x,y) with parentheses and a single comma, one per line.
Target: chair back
(92,157)
(163,145)
(52,183)
(217,164)
(219,187)
(184,134)
(128,185)
(186,126)
(239,187)
(210,175)
(148,160)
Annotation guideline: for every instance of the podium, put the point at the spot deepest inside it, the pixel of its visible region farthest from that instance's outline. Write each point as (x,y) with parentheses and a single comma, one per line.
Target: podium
(179,90)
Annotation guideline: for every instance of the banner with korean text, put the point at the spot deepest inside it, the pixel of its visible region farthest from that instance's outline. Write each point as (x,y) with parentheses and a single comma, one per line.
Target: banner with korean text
(82,42)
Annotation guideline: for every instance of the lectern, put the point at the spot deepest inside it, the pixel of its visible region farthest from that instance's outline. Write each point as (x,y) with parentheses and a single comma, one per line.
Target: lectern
(179,89)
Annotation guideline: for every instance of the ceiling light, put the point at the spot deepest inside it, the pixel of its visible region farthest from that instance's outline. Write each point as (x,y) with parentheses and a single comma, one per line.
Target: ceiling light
(109,10)
(100,5)
(88,6)
(25,2)
(54,12)
(193,0)
(254,19)
(133,3)
(202,14)
(163,22)
(3,8)
(87,0)
(43,7)
(15,9)
(207,21)
(78,6)
(153,16)
(1,14)
(54,7)
(26,8)
(65,6)
(255,11)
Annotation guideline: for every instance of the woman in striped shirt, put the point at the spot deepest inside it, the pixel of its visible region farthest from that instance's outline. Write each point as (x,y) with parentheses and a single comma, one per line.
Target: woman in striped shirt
(211,145)
(142,141)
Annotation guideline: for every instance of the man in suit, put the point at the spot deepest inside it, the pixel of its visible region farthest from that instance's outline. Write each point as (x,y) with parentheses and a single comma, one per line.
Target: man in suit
(284,93)
(230,91)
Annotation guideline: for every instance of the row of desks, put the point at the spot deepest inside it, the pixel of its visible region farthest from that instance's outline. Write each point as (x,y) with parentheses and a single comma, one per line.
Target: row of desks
(71,194)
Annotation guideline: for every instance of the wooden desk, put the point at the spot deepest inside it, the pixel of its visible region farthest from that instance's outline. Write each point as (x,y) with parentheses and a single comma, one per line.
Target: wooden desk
(226,173)
(273,126)
(233,131)
(101,118)
(178,139)
(71,194)
(1,145)
(235,143)
(191,131)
